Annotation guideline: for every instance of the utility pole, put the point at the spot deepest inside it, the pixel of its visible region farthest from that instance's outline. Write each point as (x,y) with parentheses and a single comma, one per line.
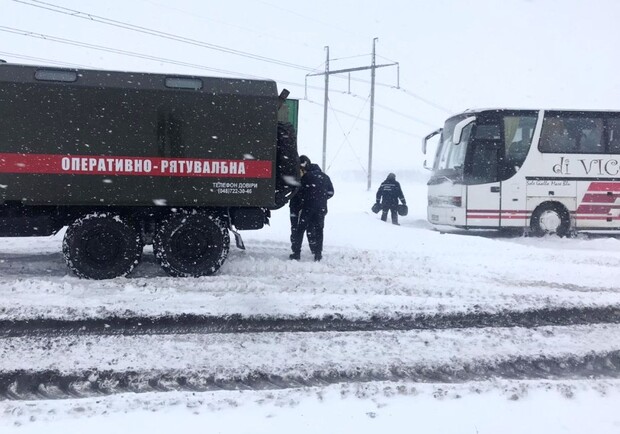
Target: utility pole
(373,67)
(372,112)
(325,104)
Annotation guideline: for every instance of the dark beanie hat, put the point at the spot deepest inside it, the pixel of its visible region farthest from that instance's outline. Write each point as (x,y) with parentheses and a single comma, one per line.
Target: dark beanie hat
(304,161)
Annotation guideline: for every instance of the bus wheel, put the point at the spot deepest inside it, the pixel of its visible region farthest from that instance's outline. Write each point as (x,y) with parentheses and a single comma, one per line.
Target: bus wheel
(101,246)
(191,244)
(550,218)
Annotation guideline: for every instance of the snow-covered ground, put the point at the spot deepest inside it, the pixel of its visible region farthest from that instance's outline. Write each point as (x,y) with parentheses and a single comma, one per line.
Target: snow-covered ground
(507,407)
(369,268)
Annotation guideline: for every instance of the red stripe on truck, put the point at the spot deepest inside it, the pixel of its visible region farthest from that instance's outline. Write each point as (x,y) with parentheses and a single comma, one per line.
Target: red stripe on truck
(133,166)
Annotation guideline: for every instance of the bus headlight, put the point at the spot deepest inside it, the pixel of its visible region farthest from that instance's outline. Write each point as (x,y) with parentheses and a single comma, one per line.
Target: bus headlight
(456,201)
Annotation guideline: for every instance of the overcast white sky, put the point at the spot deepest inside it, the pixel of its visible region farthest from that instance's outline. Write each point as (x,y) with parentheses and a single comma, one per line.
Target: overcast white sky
(453,55)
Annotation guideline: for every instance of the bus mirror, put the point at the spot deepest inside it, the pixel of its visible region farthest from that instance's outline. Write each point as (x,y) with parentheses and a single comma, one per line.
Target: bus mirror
(427,138)
(426,165)
(458,129)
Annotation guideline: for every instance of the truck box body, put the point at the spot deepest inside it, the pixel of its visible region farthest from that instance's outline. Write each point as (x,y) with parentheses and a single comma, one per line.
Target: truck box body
(90,138)
(127,159)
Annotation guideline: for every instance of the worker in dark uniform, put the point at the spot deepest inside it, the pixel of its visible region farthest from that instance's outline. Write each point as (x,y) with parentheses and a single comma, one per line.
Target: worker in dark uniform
(295,211)
(316,189)
(388,195)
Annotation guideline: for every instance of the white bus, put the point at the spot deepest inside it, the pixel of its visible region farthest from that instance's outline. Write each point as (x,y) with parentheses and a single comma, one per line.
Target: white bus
(553,171)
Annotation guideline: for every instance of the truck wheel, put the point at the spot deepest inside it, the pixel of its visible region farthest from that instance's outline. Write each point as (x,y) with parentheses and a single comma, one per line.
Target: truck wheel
(550,218)
(101,246)
(191,244)
(287,164)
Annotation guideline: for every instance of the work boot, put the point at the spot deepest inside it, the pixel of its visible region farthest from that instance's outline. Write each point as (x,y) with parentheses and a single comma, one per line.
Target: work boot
(294,256)
(317,257)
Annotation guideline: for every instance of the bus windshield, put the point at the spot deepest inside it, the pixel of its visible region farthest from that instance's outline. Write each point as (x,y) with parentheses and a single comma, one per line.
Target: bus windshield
(491,148)
(451,156)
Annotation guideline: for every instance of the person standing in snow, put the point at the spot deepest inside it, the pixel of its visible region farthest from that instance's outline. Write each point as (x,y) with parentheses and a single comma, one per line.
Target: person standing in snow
(388,195)
(316,189)
(295,210)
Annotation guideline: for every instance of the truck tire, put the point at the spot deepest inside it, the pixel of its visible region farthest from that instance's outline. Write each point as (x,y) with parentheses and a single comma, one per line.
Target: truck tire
(550,218)
(287,164)
(101,246)
(191,244)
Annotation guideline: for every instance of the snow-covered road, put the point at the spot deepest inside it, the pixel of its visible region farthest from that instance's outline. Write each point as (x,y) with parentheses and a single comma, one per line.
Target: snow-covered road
(418,272)
(240,355)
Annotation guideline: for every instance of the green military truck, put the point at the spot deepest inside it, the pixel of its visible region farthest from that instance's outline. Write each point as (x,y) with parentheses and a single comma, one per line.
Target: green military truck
(127,159)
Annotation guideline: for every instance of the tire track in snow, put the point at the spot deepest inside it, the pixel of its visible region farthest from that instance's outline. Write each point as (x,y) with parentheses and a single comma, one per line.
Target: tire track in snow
(51,384)
(200,324)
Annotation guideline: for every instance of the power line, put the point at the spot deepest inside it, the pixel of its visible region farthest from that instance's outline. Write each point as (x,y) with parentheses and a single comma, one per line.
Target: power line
(90,17)
(346,136)
(350,57)
(115,50)
(19,56)
(399,88)
(41,59)
(123,25)
(51,38)
(385,58)
(46,37)
(307,17)
(137,55)
(428,124)
(366,120)
(128,26)
(424,100)
(194,15)
(345,92)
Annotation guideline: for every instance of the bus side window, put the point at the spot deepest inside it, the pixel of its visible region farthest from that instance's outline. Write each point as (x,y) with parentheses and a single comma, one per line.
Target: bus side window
(518,132)
(591,136)
(572,133)
(613,135)
(555,137)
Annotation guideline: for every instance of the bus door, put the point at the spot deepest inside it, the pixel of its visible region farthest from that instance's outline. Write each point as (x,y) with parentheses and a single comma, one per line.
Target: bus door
(499,146)
(518,130)
(482,174)
(483,185)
